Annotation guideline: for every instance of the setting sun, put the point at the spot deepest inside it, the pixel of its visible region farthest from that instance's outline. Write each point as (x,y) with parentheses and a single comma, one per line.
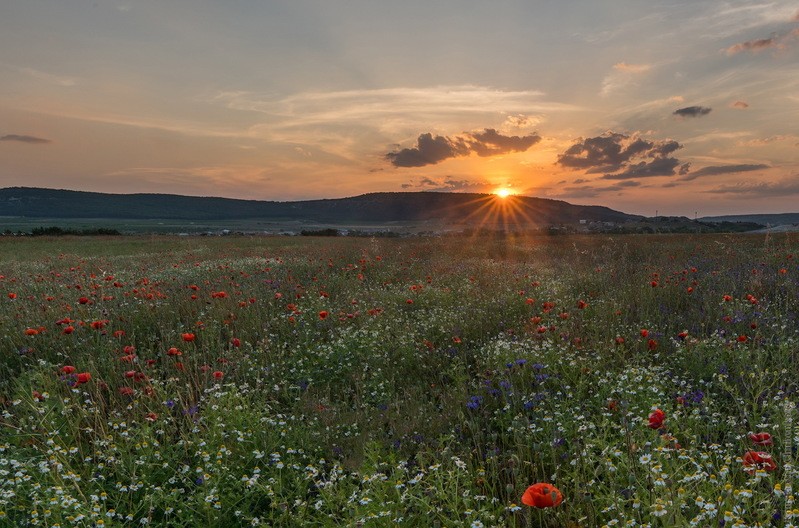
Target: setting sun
(503,193)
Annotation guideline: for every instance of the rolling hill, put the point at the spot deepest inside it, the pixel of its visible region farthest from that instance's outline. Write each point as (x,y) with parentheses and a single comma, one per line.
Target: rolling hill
(461,208)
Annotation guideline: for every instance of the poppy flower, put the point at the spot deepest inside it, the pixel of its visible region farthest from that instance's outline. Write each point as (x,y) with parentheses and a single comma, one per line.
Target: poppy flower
(68,369)
(323,315)
(174,352)
(761,439)
(83,377)
(656,419)
(219,374)
(754,460)
(31,331)
(542,495)
(187,337)
(68,330)
(12,295)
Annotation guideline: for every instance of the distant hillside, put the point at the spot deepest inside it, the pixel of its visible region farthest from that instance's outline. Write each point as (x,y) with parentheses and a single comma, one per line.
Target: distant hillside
(375,207)
(762,219)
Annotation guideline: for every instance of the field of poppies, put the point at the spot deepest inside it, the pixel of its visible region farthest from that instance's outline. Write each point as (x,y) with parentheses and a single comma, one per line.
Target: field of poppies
(568,381)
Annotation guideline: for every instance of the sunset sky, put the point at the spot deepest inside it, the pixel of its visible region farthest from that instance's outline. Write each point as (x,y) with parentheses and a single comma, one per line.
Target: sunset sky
(679,107)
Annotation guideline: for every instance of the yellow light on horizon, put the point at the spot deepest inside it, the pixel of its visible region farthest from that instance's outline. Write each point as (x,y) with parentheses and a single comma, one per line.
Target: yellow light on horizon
(503,193)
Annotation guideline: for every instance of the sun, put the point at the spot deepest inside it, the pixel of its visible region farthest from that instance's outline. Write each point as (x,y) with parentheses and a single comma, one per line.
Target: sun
(503,193)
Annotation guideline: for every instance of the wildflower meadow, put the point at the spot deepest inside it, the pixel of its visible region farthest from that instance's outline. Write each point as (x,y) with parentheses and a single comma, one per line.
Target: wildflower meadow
(520,381)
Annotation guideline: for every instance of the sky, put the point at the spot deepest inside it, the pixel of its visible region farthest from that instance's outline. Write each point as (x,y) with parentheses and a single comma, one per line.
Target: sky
(675,108)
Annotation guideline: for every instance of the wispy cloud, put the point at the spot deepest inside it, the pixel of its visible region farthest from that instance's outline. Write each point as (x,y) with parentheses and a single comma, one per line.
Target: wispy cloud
(740,105)
(592,191)
(25,139)
(450,184)
(776,42)
(623,75)
(430,149)
(49,78)
(789,186)
(714,170)
(373,105)
(769,140)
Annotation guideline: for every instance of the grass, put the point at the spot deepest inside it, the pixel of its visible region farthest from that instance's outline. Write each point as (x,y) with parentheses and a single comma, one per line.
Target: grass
(419,382)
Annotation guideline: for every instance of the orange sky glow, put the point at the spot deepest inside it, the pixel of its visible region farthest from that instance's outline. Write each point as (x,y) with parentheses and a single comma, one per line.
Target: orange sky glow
(687,108)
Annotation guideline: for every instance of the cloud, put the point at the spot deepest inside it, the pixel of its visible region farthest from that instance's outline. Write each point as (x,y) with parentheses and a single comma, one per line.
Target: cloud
(612,152)
(430,149)
(450,184)
(24,139)
(759,189)
(692,111)
(631,68)
(591,191)
(776,42)
(740,105)
(714,170)
(644,169)
(623,75)
(771,139)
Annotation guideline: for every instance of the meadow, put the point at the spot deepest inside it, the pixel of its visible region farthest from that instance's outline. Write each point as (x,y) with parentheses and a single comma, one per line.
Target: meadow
(647,380)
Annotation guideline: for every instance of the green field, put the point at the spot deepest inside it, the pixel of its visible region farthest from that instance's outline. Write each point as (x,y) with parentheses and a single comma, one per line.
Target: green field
(300,381)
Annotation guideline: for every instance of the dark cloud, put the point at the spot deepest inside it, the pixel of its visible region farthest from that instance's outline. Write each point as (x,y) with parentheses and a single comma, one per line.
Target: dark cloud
(646,169)
(612,152)
(24,139)
(430,149)
(722,169)
(740,105)
(759,189)
(692,111)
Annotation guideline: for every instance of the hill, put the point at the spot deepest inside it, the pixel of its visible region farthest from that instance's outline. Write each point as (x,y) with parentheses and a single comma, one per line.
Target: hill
(460,208)
(763,219)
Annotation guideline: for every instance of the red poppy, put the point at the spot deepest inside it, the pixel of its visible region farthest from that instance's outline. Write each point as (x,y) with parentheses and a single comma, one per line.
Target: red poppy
(218,374)
(12,295)
(644,332)
(761,439)
(656,419)
(174,352)
(83,377)
(83,300)
(727,298)
(323,314)
(151,417)
(542,495)
(68,369)
(236,342)
(754,460)
(582,304)
(68,329)
(619,340)
(31,331)
(652,344)
(188,337)
(126,391)
(742,339)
